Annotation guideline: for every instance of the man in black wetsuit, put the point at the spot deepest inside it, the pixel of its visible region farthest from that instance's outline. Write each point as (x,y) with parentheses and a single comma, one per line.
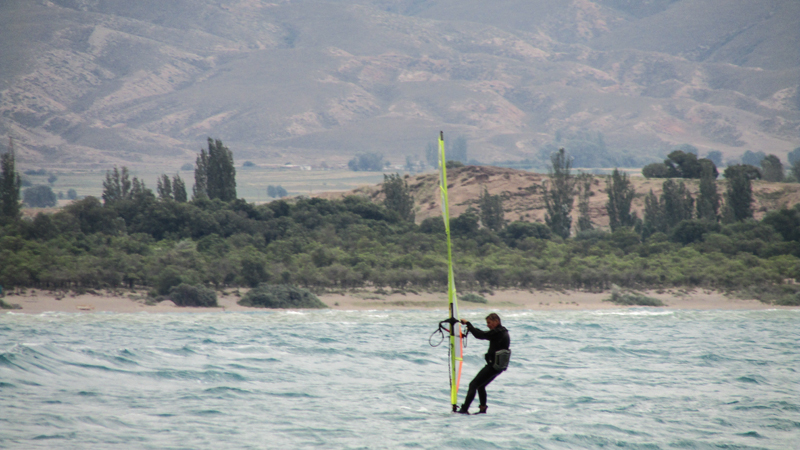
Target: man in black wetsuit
(498,340)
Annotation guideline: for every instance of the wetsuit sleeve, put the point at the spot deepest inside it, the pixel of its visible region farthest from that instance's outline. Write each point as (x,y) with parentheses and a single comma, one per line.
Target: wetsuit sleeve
(480,334)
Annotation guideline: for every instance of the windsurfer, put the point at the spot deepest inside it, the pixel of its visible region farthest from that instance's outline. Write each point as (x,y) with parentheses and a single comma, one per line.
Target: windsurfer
(496,359)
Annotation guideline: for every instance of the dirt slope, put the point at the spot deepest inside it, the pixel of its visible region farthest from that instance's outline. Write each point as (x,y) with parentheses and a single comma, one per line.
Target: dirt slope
(522,193)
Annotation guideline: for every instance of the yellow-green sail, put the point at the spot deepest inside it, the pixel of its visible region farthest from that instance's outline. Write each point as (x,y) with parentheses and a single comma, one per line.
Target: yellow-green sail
(456,348)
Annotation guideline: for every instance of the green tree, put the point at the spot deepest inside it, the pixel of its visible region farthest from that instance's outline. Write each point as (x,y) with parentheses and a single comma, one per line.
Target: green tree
(179,189)
(680,164)
(10,185)
(491,211)
(366,162)
(653,215)
(117,185)
(398,196)
(164,187)
(620,196)
(40,197)
(200,188)
(772,168)
(584,183)
(676,202)
(739,194)
(656,170)
(214,173)
(276,191)
(558,195)
(708,199)
(220,172)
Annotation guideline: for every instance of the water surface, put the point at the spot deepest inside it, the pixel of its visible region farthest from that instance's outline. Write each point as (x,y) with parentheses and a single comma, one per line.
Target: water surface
(635,378)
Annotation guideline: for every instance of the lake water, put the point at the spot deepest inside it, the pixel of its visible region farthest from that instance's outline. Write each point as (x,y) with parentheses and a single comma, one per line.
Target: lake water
(635,378)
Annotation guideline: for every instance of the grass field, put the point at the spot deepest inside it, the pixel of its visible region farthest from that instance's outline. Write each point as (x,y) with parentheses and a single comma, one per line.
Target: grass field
(251,182)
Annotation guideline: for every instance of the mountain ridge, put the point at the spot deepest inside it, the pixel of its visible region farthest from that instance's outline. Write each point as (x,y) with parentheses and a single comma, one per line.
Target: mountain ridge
(98,83)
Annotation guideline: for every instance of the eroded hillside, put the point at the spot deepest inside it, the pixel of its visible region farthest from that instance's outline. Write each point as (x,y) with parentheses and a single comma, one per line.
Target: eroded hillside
(522,193)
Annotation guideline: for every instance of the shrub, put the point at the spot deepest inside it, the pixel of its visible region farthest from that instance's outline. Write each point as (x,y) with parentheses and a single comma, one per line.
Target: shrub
(656,170)
(4,305)
(188,295)
(473,298)
(515,232)
(631,298)
(793,300)
(167,279)
(281,296)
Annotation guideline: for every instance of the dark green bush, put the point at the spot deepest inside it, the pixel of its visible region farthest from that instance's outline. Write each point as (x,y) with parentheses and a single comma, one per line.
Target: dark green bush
(281,296)
(515,232)
(188,295)
(473,298)
(793,300)
(632,298)
(4,305)
(167,279)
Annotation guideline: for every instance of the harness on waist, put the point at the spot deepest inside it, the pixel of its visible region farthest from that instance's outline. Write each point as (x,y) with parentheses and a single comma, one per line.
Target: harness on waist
(501,359)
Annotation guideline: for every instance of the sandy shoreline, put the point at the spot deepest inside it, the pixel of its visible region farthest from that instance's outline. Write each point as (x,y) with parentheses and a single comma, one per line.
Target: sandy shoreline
(36,301)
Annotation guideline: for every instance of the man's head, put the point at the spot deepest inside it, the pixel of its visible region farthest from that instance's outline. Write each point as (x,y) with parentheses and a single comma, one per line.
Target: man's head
(493,321)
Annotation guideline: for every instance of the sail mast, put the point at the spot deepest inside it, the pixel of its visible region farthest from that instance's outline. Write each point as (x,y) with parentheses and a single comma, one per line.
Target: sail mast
(456,350)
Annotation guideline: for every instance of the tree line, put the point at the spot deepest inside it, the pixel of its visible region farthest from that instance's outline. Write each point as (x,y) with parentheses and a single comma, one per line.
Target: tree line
(135,238)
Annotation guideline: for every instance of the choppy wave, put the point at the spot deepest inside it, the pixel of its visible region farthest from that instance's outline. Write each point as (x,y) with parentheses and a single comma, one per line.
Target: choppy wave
(633,378)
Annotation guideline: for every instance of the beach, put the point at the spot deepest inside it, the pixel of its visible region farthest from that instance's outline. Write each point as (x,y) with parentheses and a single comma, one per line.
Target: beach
(36,301)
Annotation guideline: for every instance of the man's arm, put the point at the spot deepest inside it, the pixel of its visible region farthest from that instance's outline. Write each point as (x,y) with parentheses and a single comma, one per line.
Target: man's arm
(480,334)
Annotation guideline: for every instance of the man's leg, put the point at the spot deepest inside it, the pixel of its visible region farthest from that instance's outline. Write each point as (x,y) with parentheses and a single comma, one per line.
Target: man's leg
(484,377)
(482,387)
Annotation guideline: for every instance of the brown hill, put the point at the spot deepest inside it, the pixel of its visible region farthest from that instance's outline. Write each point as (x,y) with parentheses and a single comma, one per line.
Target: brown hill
(92,83)
(522,193)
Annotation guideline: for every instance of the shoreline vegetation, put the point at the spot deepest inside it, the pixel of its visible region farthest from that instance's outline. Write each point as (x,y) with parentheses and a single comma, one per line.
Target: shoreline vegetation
(149,248)
(33,301)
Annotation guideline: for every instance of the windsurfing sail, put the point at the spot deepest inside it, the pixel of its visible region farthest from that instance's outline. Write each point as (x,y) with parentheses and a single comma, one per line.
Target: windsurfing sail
(456,346)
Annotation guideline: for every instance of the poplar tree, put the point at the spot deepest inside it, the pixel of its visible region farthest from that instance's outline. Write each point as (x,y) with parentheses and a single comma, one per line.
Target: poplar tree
(398,196)
(584,192)
(214,173)
(558,195)
(620,196)
(200,188)
(221,173)
(117,185)
(10,185)
(653,215)
(739,194)
(772,168)
(708,199)
(491,211)
(178,189)
(164,187)
(676,202)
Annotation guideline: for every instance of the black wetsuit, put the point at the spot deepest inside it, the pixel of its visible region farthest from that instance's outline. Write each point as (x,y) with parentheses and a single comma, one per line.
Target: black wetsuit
(498,340)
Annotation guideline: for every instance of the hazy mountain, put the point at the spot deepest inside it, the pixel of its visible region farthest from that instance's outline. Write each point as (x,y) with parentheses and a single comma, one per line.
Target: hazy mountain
(618,82)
